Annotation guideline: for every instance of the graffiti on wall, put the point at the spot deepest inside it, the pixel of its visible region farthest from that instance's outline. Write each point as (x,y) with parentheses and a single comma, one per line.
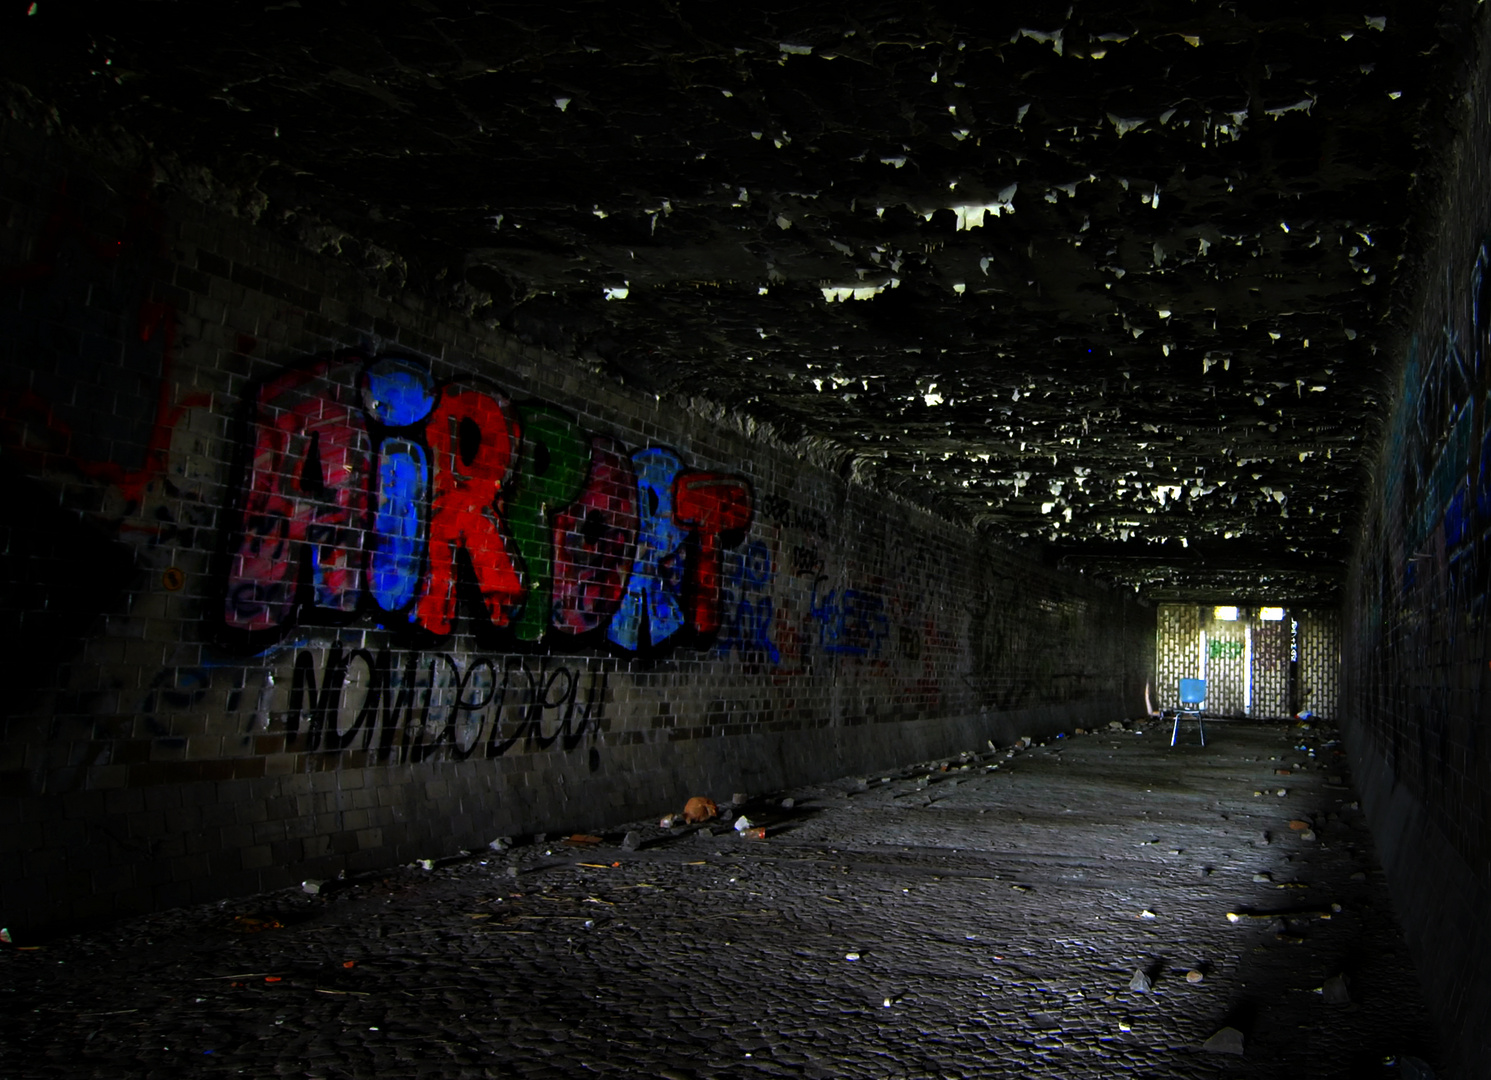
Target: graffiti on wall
(96,437)
(1423,574)
(402,707)
(851,622)
(96,395)
(1217,649)
(748,608)
(367,488)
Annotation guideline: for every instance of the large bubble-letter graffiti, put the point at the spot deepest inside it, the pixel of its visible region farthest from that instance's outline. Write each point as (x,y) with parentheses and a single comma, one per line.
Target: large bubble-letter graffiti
(370,490)
(549,476)
(472,436)
(713,506)
(397,393)
(655,589)
(595,541)
(306,500)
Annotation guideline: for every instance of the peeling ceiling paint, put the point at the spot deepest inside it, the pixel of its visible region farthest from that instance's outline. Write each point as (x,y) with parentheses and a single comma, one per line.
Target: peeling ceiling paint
(1117,283)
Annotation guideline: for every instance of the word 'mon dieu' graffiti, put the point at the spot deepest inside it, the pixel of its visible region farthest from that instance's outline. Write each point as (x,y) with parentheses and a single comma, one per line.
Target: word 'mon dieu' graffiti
(367,487)
(412,706)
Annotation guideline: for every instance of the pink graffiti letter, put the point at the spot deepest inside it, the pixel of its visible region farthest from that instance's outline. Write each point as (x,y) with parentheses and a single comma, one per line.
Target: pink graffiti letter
(305,499)
(595,541)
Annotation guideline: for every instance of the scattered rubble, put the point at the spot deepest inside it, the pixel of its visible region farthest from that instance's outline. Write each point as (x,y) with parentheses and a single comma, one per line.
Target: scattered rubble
(1226,1041)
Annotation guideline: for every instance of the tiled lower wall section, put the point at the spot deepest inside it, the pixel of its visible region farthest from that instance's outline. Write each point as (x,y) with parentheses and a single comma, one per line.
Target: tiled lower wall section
(303,578)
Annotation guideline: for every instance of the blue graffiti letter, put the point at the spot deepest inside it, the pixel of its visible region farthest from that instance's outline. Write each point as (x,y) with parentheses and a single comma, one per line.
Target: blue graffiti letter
(656,582)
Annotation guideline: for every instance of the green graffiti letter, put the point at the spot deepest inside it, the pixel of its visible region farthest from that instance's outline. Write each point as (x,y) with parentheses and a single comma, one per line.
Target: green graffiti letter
(551,471)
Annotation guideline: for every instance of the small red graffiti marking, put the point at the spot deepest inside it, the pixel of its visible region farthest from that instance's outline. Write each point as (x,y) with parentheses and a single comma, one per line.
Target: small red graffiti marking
(29,426)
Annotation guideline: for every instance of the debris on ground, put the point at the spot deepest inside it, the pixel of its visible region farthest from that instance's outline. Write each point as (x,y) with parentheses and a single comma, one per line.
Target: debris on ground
(698,809)
(248,924)
(931,890)
(1335,991)
(1227,1041)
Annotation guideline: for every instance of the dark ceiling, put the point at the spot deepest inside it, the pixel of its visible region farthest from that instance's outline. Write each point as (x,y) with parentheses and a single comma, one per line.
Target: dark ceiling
(1117,282)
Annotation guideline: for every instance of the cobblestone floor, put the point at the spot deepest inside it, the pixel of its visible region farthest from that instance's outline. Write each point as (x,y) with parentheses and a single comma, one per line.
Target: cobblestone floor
(978,917)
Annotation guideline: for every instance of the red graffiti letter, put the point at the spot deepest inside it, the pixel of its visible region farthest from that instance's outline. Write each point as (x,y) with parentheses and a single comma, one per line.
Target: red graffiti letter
(472,437)
(709,504)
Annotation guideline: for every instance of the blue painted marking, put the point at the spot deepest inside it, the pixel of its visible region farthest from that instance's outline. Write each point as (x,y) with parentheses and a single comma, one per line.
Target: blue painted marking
(850,622)
(399,524)
(1456,524)
(398,392)
(656,581)
(748,609)
(1483,481)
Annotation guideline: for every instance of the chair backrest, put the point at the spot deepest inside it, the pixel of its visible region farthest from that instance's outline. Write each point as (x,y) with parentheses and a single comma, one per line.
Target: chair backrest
(1192,691)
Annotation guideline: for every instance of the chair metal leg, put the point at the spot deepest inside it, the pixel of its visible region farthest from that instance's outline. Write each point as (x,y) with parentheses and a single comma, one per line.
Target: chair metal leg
(1175,731)
(1201,727)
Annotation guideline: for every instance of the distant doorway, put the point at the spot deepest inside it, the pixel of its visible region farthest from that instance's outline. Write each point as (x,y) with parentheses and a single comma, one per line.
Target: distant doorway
(1261,662)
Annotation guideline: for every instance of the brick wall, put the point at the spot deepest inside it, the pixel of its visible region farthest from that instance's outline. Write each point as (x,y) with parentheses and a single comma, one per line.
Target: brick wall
(302,579)
(1414,644)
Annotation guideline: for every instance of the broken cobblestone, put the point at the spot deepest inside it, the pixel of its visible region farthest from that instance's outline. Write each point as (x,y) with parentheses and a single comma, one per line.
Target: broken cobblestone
(719,959)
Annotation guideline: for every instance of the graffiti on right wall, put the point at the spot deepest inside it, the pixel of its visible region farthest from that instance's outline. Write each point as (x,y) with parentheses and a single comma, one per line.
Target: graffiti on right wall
(1417,649)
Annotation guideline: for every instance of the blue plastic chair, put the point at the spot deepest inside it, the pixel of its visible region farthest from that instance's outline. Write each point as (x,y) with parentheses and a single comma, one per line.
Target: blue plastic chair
(1192,697)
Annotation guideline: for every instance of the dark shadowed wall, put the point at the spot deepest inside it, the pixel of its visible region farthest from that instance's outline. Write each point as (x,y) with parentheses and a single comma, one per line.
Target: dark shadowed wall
(1416,676)
(302,579)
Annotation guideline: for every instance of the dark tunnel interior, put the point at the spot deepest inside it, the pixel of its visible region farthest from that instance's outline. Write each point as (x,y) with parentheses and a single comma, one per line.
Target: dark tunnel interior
(451,420)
